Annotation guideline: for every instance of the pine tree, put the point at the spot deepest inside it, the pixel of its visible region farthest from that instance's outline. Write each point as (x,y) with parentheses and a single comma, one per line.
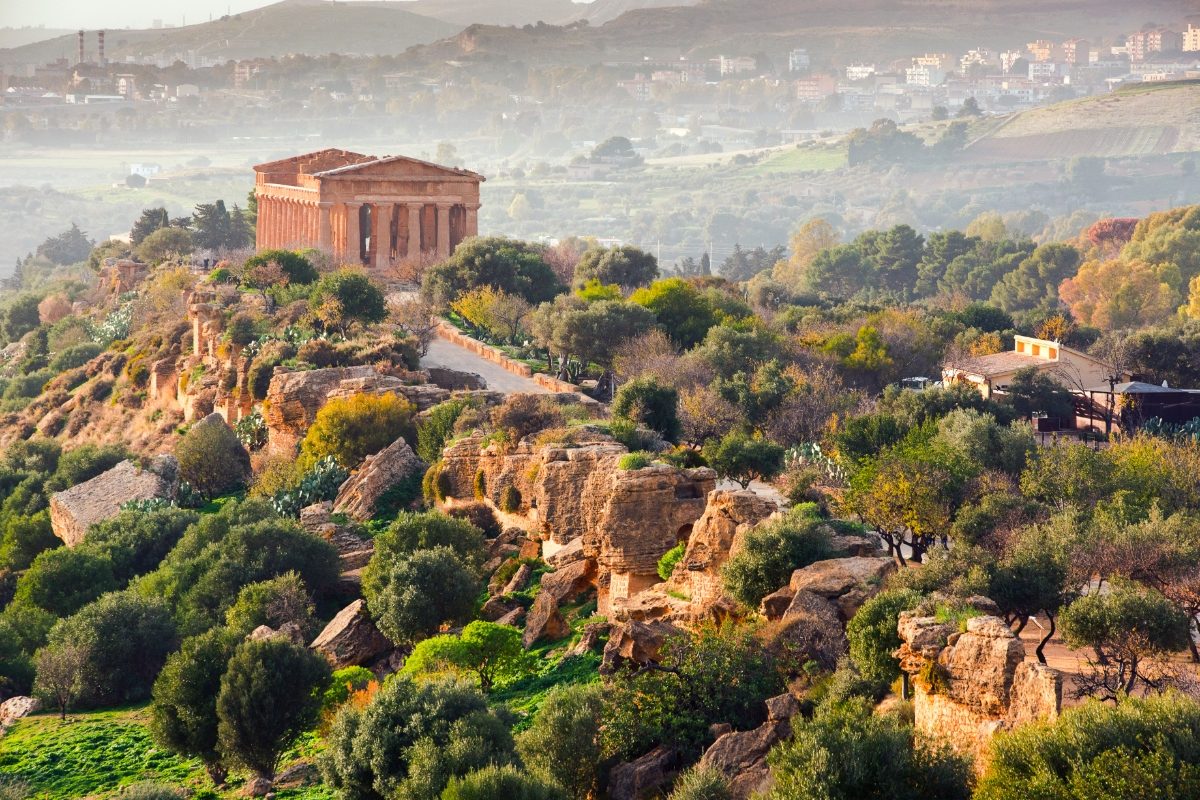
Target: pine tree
(211,226)
(151,220)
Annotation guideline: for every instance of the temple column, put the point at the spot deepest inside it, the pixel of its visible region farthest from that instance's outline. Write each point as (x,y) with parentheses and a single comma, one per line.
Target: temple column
(285,234)
(353,234)
(258,225)
(312,228)
(443,230)
(471,220)
(381,226)
(414,231)
(324,228)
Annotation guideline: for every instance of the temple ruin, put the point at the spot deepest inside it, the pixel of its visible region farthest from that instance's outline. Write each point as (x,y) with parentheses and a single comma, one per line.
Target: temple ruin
(379,212)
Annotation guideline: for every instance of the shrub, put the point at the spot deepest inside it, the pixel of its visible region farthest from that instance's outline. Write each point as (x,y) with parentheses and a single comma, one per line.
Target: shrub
(635,461)
(420,531)
(415,595)
(242,329)
(242,544)
(506,264)
(127,640)
(275,602)
(873,637)
(646,402)
(495,782)
(351,428)
(75,356)
(489,652)
(345,297)
(268,697)
(164,244)
(510,499)
(212,459)
(183,714)
(480,485)
(848,752)
(701,783)
(744,458)
(666,564)
(1101,751)
(713,676)
(321,482)
(770,553)
(295,267)
(251,430)
(434,428)
(523,414)
(562,745)
(64,580)
(342,684)
(383,749)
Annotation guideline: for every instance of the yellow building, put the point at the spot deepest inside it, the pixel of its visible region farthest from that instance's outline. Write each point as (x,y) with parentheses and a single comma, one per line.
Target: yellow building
(1073,368)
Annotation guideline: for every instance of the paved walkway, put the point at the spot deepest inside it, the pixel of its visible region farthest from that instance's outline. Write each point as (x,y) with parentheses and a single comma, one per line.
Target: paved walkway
(449,355)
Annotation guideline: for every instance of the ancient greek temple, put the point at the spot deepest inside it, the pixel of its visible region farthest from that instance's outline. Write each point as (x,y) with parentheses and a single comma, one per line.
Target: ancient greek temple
(379,212)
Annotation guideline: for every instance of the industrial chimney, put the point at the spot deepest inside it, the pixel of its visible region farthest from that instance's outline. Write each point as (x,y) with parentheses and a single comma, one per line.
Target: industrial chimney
(100,45)
(80,47)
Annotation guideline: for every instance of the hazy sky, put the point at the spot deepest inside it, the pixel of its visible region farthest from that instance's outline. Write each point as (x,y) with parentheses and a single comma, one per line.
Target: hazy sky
(91,14)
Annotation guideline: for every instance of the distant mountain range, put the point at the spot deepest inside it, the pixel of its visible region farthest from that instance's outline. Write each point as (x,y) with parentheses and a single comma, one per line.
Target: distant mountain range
(312,27)
(840,30)
(834,30)
(316,27)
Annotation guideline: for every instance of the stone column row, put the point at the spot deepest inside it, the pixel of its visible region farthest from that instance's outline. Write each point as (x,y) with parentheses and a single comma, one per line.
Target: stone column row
(289,223)
(338,229)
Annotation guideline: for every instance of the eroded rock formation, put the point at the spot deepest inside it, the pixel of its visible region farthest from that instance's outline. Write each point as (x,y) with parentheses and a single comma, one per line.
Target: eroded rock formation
(351,638)
(968,685)
(625,520)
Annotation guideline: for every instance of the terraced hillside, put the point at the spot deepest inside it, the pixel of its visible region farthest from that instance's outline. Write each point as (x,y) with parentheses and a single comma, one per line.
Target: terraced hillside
(1156,119)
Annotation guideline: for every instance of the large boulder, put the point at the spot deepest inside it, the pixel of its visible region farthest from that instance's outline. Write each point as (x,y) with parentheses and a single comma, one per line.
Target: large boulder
(75,510)
(846,582)
(636,643)
(742,755)
(360,494)
(645,776)
(15,708)
(351,638)
(544,621)
(569,582)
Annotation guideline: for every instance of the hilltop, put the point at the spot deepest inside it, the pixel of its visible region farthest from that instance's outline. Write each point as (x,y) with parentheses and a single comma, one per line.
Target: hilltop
(876,30)
(313,27)
(1154,119)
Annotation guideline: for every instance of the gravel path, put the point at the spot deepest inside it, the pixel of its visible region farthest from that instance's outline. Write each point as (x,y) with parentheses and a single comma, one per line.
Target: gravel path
(449,355)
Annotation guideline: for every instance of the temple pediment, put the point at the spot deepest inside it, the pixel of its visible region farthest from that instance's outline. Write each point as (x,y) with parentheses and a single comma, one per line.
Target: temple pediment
(317,161)
(399,168)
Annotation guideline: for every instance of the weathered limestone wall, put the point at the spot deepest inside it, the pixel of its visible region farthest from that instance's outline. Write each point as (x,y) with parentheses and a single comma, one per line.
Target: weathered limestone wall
(980,683)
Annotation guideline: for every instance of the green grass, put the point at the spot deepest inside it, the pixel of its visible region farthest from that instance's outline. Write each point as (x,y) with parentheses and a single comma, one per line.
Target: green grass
(803,159)
(96,754)
(91,754)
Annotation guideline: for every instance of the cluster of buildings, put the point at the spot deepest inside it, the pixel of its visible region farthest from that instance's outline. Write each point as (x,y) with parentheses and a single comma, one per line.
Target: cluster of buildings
(997,79)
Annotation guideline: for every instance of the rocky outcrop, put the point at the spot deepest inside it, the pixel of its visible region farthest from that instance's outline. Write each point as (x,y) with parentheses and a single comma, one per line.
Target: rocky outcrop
(455,380)
(360,494)
(351,638)
(968,685)
(845,582)
(569,582)
(644,777)
(75,510)
(695,592)
(353,550)
(625,520)
(294,398)
(742,755)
